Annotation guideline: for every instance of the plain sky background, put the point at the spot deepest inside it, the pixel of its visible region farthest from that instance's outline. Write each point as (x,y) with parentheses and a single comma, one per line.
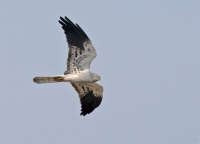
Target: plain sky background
(148,59)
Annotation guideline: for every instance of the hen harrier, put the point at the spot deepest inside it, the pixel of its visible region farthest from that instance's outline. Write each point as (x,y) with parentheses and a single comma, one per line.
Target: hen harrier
(80,55)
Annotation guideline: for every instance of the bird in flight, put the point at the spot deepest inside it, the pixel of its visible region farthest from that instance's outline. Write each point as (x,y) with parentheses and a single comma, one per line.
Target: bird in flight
(80,55)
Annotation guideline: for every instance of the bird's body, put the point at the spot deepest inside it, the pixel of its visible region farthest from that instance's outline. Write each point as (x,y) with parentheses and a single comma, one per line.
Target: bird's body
(83,77)
(80,55)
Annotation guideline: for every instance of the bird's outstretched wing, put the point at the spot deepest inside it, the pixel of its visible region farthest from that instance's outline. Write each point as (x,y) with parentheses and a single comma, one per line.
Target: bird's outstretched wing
(90,95)
(81,51)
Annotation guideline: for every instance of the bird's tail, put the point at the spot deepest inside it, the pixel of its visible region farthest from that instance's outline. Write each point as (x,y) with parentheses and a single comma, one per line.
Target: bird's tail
(48,79)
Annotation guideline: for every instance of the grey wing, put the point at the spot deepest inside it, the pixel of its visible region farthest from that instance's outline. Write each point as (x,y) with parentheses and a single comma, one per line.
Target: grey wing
(90,95)
(81,51)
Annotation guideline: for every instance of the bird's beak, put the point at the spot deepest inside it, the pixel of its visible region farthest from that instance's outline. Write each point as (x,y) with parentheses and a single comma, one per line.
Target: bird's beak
(98,77)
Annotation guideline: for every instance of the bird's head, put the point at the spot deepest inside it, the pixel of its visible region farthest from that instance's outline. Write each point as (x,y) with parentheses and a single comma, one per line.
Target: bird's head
(97,77)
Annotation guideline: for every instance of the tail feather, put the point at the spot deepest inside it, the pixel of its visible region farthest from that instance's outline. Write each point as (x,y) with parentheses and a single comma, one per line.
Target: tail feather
(48,79)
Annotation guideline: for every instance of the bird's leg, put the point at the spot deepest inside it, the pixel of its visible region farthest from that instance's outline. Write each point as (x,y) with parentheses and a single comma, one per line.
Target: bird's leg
(58,79)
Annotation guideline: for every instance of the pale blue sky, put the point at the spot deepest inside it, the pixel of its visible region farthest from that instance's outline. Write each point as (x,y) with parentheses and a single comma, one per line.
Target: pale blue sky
(148,59)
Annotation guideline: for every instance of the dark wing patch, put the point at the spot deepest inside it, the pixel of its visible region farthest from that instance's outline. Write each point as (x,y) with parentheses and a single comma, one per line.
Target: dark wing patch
(89,102)
(74,34)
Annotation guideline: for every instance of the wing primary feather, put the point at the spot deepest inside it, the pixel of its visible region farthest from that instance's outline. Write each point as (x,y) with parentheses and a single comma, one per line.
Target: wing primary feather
(74,32)
(61,23)
(89,102)
(65,22)
(81,30)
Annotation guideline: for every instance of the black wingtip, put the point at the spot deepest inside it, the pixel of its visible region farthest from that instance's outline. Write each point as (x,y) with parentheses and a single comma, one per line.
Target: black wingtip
(67,19)
(89,102)
(74,32)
